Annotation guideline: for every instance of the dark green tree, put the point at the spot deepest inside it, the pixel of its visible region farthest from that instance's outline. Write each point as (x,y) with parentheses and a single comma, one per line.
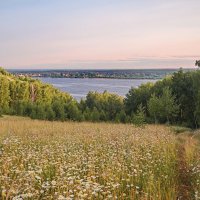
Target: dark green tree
(121,117)
(87,114)
(40,111)
(58,109)
(183,90)
(74,113)
(163,108)
(50,114)
(137,96)
(138,118)
(197,63)
(95,116)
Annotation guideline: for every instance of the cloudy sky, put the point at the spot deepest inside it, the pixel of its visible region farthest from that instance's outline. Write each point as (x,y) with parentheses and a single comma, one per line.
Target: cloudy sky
(99,33)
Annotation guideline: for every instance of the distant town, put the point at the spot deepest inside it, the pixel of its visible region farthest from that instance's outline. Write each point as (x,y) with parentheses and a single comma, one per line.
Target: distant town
(112,74)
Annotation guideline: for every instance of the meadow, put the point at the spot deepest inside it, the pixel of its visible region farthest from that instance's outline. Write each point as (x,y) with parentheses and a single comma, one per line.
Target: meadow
(71,160)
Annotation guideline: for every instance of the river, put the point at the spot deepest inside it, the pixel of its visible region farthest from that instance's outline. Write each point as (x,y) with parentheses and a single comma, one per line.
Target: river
(79,88)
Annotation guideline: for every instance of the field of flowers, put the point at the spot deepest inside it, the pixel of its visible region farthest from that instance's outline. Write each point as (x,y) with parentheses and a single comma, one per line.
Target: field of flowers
(192,154)
(67,160)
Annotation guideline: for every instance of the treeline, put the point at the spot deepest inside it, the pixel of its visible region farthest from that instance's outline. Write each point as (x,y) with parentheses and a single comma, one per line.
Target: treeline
(29,97)
(175,100)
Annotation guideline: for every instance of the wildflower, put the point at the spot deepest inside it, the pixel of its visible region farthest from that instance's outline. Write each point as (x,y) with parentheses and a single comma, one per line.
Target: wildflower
(53,183)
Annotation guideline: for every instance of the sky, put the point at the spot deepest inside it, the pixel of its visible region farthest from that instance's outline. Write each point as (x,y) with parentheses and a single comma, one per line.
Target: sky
(99,34)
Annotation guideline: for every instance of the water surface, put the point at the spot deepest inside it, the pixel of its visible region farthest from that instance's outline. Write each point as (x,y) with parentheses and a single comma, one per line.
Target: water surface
(79,88)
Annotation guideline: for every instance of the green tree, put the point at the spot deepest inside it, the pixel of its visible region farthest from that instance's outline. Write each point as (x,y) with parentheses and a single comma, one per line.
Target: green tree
(3,71)
(154,107)
(137,96)
(95,116)
(50,114)
(87,114)
(28,107)
(58,109)
(40,112)
(113,104)
(74,113)
(108,105)
(4,94)
(139,117)
(183,90)
(163,108)
(157,88)
(121,117)
(169,105)
(197,63)
(19,108)
(33,113)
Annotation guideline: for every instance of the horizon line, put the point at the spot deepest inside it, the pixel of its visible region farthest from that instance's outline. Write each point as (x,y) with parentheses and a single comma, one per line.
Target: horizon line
(99,69)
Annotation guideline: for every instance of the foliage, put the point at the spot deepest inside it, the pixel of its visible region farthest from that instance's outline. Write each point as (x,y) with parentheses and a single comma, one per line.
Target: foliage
(154,107)
(105,105)
(163,108)
(3,71)
(169,108)
(28,97)
(139,117)
(182,88)
(175,99)
(137,96)
(197,63)
(4,94)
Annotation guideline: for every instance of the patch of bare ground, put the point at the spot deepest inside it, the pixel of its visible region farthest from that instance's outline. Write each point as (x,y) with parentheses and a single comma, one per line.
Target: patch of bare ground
(185,187)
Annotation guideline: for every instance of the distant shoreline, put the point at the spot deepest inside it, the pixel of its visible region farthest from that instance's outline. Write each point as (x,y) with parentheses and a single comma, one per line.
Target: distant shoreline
(126,69)
(100,78)
(127,74)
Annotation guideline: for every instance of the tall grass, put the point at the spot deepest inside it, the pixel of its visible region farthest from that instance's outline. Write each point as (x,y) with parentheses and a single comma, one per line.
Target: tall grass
(55,160)
(192,148)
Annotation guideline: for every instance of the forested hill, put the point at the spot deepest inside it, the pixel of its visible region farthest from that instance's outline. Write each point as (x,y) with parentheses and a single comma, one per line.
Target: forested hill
(175,99)
(25,96)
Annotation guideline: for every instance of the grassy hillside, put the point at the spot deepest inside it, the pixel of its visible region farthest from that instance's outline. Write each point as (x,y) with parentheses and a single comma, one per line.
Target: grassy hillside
(68,160)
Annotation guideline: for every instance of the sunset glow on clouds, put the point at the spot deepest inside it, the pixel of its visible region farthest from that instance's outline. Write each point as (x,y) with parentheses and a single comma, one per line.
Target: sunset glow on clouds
(99,34)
